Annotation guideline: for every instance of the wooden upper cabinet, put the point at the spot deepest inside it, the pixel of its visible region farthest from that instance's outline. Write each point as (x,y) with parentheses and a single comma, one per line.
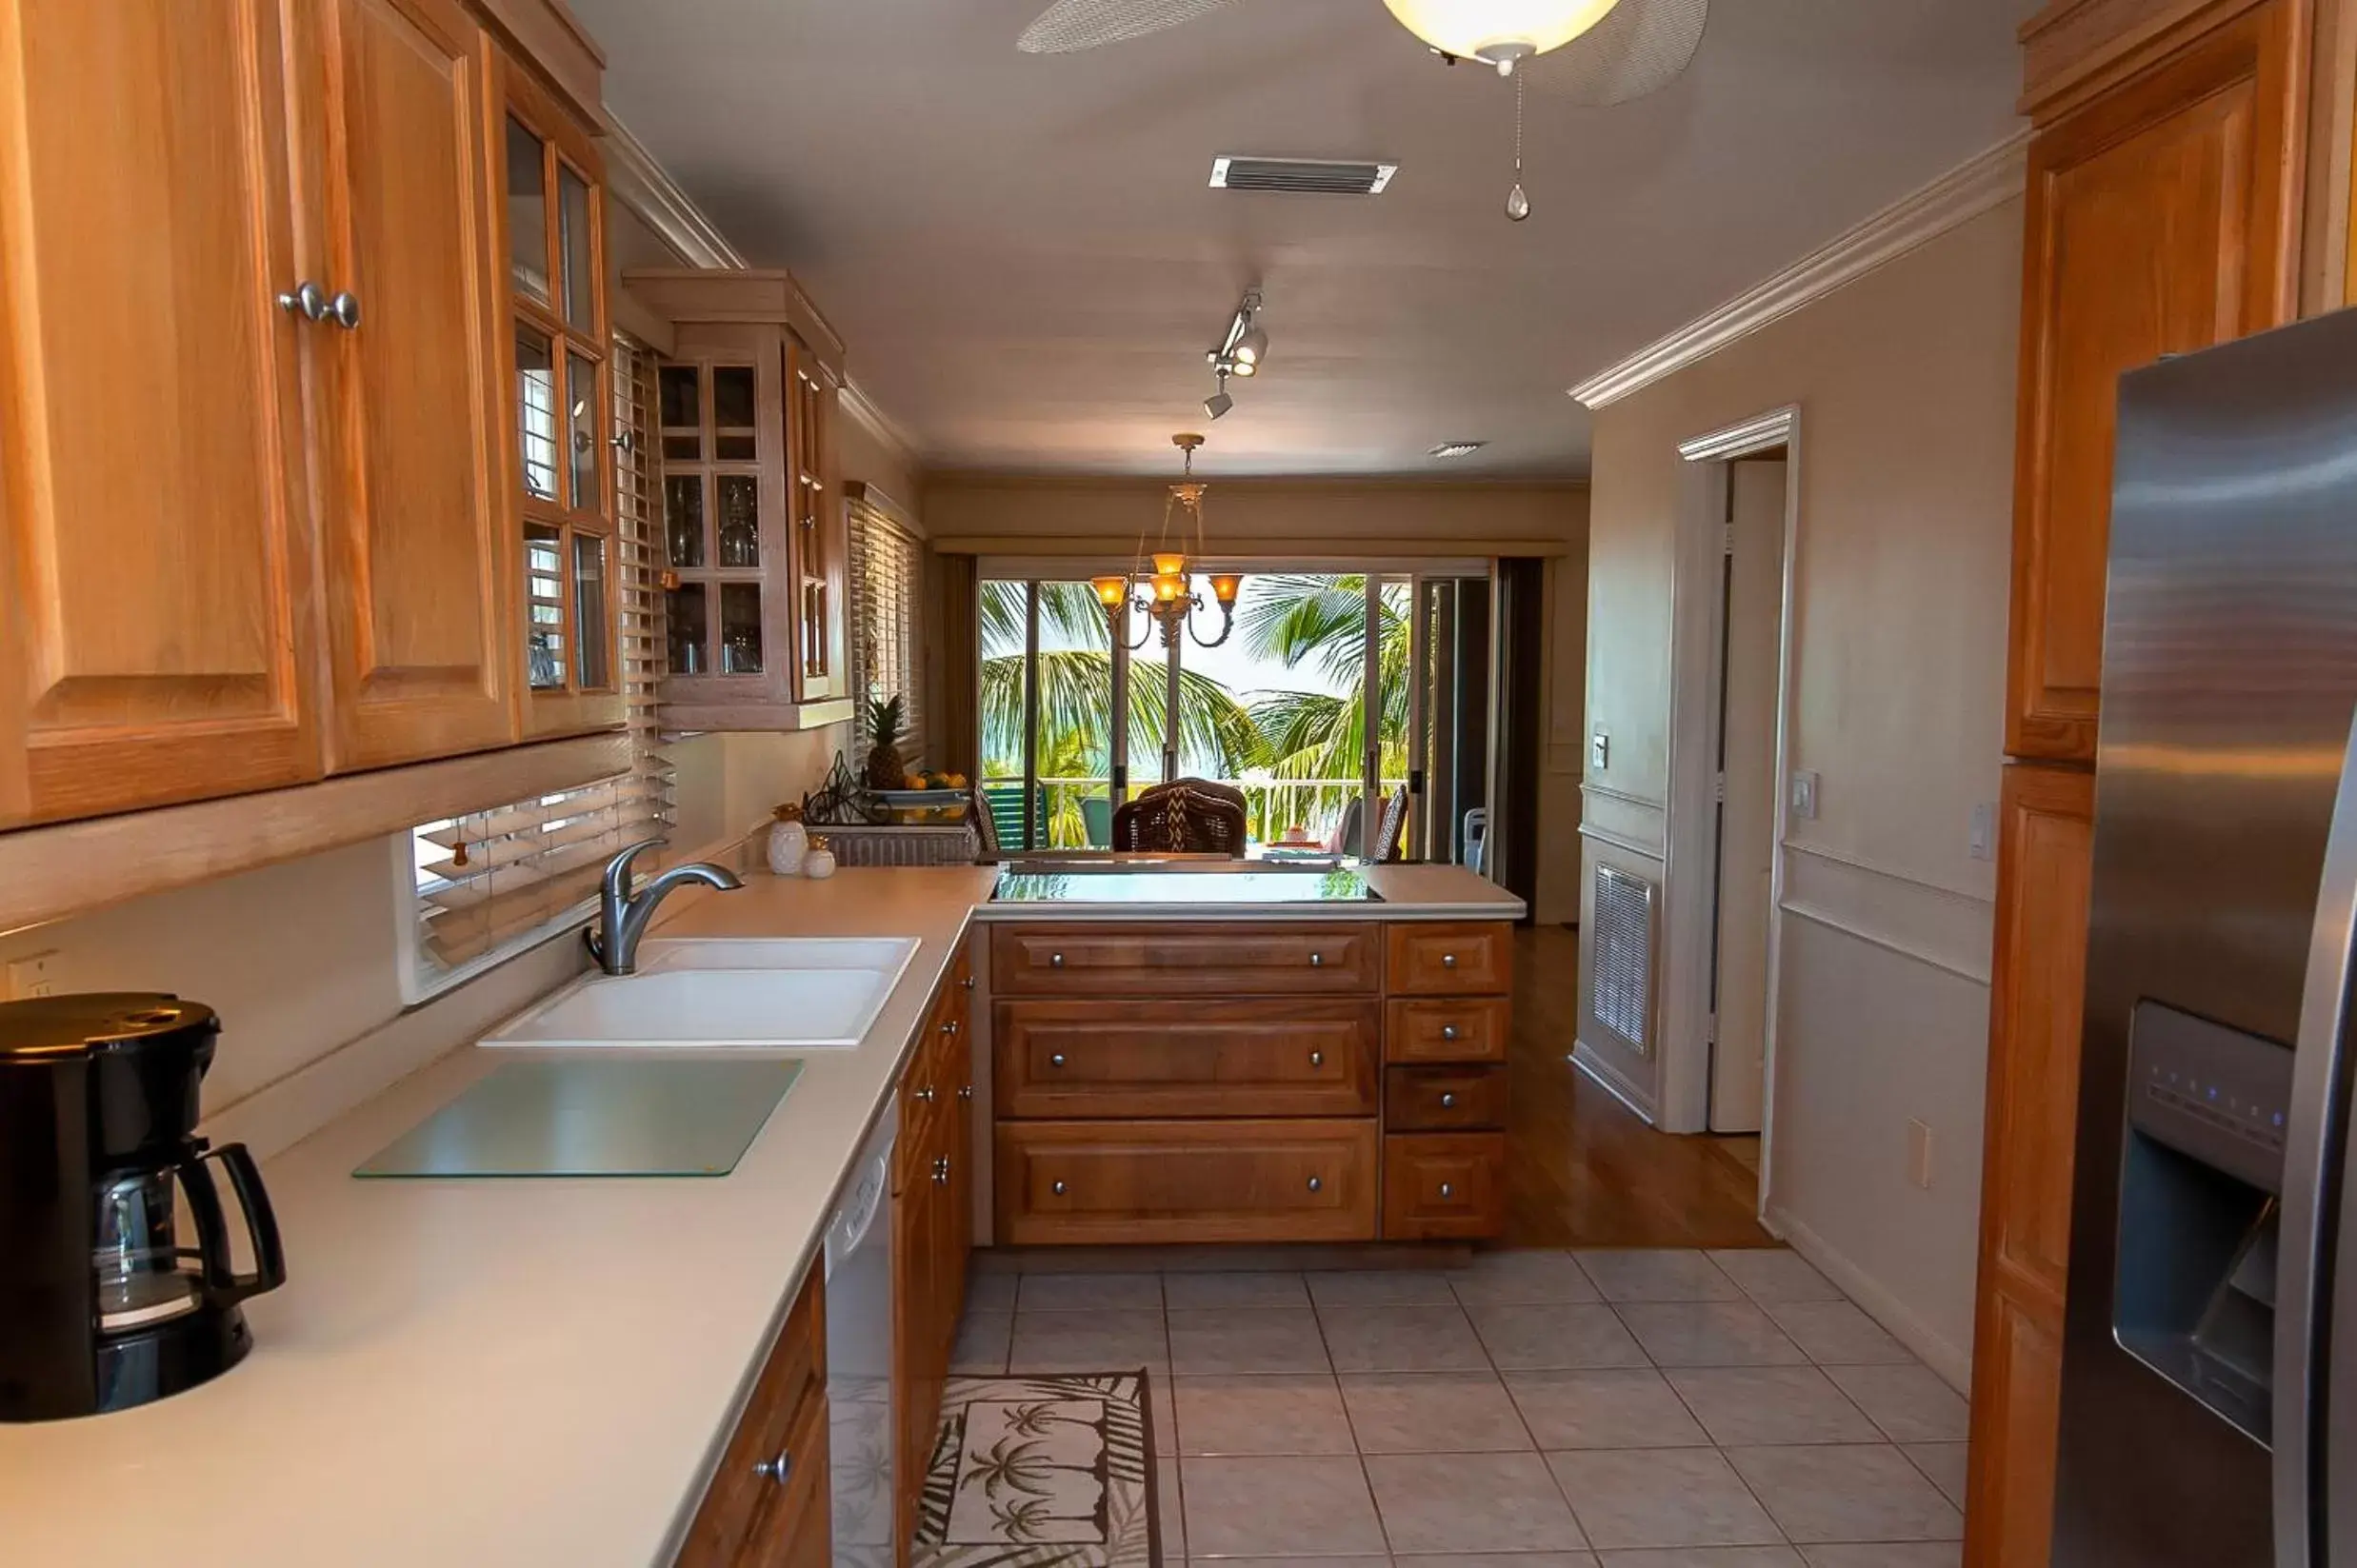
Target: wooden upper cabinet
(414,559)
(2044,876)
(156,626)
(820,526)
(558,411)
(2162,218)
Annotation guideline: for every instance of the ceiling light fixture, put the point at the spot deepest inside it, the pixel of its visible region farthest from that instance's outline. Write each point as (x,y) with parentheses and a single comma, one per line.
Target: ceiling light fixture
(1219,403)
(1171,603)
(1498,32)
(1241,350)
(1457,448)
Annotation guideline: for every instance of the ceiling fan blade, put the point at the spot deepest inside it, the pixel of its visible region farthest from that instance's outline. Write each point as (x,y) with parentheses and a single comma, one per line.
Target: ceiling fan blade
(1641,47)
(1070,25)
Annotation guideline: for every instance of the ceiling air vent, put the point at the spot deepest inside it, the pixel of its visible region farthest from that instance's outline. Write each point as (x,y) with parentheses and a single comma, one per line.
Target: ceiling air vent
(1301,176)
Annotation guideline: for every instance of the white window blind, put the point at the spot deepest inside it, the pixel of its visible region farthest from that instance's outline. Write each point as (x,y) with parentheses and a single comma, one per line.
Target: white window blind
(493,882)
(886,564)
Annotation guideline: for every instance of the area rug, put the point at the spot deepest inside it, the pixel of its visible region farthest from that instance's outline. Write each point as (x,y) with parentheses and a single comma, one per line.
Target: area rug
(1042,1470)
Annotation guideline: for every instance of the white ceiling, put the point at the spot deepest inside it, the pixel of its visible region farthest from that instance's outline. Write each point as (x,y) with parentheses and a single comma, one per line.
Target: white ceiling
(1023,257)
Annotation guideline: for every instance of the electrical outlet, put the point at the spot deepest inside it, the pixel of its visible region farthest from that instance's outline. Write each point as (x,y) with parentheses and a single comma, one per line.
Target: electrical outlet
(34,975)
(1805,797)
(1600,750)
(1919,1154)
(1984,831)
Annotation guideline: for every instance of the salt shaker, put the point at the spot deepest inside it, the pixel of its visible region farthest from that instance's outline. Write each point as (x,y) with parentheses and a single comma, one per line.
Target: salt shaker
(820,863)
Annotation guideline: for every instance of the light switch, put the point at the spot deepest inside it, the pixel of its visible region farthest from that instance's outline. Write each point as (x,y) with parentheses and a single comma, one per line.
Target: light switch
(1599,751)
(34,975)
(1805,797)
(1984,831)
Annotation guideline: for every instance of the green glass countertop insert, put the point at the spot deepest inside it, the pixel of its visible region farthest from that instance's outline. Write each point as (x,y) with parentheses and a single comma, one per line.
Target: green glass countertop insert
(1184,887)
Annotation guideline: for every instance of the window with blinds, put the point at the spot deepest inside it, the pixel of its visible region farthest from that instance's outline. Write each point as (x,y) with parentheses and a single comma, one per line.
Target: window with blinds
(491,883)
(886,561)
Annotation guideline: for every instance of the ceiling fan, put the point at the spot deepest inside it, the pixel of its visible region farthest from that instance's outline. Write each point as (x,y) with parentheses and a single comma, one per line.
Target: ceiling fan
(1605,51)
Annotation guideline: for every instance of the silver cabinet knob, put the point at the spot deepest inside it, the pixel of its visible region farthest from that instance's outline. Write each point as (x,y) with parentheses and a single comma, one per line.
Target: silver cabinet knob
(1448,1190)
(306,299)
(1448,1101)
(966,1092)
(941,1171)
(1448,1031)
(1056,961)
(345,309)
(1057,1190)
(1448,960)
(948,1026)
(1318,961)
(1057,1060)
(968,982)
(1317,1058)
(1317,1184)
(924,1096)
(778,1469)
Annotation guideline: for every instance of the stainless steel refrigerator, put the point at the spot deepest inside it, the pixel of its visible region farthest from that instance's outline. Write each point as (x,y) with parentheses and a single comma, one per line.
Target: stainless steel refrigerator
(2208,1417)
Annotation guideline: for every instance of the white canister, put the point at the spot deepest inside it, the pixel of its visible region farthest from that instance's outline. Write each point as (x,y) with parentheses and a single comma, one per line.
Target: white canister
(820,863)
(790,842)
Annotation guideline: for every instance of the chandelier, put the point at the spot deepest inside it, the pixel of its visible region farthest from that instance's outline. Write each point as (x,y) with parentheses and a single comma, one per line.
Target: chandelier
(1168,602)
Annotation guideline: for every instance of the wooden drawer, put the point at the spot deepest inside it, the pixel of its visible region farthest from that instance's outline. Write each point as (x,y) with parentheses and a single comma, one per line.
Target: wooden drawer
(1444,1186)
(790,1396)
(1448,1029)
(1172,1182)
(1440,960)
(1107,959)
(1251,1058)
(1443,1099)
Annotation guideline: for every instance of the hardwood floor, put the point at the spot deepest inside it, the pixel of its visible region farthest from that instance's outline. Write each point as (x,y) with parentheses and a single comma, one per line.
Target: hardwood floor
(1582,1170)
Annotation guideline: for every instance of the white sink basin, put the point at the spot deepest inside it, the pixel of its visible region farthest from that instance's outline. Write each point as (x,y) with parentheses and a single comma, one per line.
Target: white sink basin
(723,994)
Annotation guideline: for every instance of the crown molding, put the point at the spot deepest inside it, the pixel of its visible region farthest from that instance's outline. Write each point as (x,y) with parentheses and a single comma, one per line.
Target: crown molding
(882,428)
(1963,193)
(647,188)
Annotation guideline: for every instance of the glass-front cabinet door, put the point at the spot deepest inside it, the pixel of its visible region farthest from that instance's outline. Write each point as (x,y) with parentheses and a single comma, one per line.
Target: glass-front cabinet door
(562,409)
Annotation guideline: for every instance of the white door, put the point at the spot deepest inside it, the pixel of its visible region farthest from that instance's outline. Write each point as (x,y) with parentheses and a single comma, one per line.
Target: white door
(1747,816)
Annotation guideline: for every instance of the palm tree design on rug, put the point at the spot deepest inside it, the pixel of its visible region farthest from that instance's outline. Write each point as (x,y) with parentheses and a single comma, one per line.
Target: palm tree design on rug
(1293,620)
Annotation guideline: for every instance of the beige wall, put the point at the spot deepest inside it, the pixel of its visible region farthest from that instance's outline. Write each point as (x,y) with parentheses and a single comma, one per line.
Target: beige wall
(1905,382)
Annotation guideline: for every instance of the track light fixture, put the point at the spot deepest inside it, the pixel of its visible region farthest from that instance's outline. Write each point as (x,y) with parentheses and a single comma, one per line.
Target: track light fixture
(1241,350)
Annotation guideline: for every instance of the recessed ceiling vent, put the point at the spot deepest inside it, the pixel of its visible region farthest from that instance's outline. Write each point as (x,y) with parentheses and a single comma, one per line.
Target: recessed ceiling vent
(1301,176)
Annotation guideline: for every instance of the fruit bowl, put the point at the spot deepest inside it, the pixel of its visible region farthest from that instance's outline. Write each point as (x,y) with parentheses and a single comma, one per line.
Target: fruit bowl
(912,806)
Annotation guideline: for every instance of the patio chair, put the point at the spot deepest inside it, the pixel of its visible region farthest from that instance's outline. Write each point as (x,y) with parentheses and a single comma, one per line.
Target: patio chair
(1176,820)
(1006,804)
(1096,814)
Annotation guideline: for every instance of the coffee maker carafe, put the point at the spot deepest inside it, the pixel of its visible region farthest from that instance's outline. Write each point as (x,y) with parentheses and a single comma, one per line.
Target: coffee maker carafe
(118,1284)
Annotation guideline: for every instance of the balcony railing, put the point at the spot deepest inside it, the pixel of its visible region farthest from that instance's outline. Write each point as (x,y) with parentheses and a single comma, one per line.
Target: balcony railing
(1076,813)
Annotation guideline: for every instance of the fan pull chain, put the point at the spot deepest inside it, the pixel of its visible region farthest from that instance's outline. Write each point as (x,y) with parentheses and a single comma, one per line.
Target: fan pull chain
(1517,199)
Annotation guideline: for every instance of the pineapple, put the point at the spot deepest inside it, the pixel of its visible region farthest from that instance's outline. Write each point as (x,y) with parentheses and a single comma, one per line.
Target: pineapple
(884,768)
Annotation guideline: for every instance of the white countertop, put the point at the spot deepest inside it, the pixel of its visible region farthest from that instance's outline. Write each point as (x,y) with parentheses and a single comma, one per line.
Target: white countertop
(521,1372)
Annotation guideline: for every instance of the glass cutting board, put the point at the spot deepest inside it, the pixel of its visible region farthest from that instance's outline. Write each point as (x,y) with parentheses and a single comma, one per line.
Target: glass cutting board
(575,1116)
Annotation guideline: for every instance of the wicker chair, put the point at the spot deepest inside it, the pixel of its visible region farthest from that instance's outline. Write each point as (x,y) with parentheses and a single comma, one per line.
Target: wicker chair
(1178,819)
(1201,786)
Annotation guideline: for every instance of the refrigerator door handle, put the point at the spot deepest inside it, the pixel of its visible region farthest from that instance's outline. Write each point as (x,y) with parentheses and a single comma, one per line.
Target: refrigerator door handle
(2312,1153)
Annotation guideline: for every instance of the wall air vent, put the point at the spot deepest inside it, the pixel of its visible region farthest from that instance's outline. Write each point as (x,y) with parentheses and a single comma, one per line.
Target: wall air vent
(1623,957)
(1301,176)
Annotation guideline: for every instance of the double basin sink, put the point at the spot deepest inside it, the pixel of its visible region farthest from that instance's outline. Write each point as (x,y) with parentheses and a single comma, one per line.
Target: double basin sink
(720,994)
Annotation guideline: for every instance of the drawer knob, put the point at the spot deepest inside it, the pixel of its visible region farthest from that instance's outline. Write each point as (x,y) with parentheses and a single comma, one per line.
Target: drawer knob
(1317,1058)
(1448,1190)
(968,982)
(778,1469)
(1056,961)
(1448,1101)
(1448,1031)
(1056,1060)
(1057,1190)
(924,1096)
(941,1171)
(1317,1183)
(966,1092)
(1318,961)
(1448,960)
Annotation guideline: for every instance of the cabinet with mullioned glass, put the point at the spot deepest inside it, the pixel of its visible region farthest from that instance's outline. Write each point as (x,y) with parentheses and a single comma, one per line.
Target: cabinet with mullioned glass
(752,513)
(561,406)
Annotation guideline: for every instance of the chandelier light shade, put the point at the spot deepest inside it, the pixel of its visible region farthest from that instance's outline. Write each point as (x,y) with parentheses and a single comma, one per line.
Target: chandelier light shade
(1111,591)
(1499,31)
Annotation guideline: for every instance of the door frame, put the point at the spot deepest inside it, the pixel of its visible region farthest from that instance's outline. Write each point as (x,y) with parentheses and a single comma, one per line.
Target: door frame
(1690,871)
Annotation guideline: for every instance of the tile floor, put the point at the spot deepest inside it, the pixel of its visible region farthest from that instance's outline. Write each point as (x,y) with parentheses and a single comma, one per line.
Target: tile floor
(1641,1409)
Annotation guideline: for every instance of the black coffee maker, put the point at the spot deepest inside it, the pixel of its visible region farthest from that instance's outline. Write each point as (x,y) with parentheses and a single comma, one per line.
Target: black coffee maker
(118,1283)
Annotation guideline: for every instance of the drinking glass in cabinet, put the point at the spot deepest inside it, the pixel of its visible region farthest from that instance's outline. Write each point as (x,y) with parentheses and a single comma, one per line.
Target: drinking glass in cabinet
(535,408)
(588,430)
(732,414)
(740,628)
(739,520)
(685,612)
(682,522)
(591,668)
(543,598)
(528,211)
(682,414)
(573,222)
